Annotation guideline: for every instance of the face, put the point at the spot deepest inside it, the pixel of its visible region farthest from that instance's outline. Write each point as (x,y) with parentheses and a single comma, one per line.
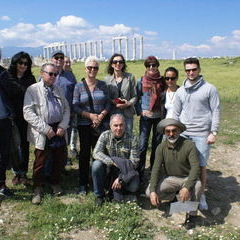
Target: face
(92,69)
(22,65)
(67,63)
(172,132)
(58,61)
(117,126)
(192,71)
(117,63)
(152,68)
(49,75)
(171,79)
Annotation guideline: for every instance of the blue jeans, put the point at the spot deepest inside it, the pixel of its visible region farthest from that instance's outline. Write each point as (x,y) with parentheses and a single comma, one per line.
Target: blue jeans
(100,173)
(129,124)
(146,125)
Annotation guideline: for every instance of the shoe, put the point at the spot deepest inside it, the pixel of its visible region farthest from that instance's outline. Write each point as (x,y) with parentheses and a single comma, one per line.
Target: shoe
(203,203)
(37,196)
(6,192)
(82,190)
(24,180)
(190,222)
(99,201)
(57,190)
(16,180)
(73,153)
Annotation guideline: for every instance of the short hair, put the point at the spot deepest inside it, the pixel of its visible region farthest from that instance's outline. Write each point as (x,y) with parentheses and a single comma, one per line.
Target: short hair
(171,69)
(110,69)
(151,60)
(45,65)
(117,115)
(91,59)
(191,60)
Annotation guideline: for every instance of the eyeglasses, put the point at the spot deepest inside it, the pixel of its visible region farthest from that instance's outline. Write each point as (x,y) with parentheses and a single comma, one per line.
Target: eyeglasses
(192,69)
(89,68)
(170,78)
(51,73)
(168,131)
(152,65)
(58,57)
(118,61)
(23,63)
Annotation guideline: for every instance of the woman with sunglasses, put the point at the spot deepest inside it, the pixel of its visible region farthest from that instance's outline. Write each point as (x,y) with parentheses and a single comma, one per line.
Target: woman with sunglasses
(150,107)
(15,82)
(171,77)
(92,104)
(122,89)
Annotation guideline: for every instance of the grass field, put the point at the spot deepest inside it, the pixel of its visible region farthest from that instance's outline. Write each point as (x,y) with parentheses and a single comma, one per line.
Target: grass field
(56,217)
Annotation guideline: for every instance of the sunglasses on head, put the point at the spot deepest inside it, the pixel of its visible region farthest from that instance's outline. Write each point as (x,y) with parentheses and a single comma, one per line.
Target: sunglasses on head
(170,78)
(23,63)
(92,68)
(151,65)
(118,61)
(51,73)
(58,57)
(192,69)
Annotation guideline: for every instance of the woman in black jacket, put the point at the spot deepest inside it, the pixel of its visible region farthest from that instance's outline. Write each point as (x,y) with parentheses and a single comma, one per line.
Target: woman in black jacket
(14,83)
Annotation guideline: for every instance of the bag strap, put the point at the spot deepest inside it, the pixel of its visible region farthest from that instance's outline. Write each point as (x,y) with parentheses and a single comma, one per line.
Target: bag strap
(90,99)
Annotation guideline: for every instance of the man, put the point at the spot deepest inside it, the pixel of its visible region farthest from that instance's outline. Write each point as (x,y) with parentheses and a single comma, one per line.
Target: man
(177,157)
(47,112)
(116,151)
(197,105)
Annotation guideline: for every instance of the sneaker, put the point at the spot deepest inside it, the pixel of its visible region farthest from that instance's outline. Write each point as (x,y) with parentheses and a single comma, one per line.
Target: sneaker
(99,201)
(16,180)
(82,190)
(203,203)
(190,222)
(6,192)
(37,196)
(57,190)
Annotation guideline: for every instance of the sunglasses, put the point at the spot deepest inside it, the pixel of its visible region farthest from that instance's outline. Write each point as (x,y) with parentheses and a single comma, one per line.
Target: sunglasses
(192,69)
(51,73)
(152,65)
(89,68)
(118,61)
(170,78)
(58,57)
(168,131)
(23,63)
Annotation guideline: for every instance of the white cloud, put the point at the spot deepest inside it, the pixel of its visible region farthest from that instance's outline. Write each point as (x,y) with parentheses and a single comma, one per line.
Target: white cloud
(217,39)
(72,21)
(117,29)
(5,18)
(150,33)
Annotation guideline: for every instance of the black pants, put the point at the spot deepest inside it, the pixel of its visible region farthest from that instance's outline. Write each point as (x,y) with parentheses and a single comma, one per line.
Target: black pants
(5,138)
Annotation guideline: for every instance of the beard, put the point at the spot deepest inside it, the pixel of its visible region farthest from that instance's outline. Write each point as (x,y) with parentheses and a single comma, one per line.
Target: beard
(173,139)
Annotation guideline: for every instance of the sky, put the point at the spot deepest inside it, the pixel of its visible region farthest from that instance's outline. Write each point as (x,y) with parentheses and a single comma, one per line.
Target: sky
(203,28)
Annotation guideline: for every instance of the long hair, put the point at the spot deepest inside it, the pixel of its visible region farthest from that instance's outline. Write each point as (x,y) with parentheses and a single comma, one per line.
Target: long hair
(110,69)
(15,59)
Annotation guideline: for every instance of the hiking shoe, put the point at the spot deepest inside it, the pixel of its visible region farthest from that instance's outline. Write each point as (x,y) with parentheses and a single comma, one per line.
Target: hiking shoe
(99,201)
(6,192)
(16,180)
(190,222)
(82,190)
(57,190)
(37,196)
(203,203)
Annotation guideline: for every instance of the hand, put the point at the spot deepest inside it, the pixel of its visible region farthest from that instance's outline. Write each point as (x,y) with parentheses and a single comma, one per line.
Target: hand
(211,139)
(60,132)
(116,184)
(100,117)
(94,119)
(50,133)
(147,113)
(184,194)
(154,199)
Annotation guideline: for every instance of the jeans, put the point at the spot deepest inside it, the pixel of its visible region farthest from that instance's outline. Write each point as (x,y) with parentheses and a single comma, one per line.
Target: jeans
(5,138)
(146,124)
(129,124)
(100,173)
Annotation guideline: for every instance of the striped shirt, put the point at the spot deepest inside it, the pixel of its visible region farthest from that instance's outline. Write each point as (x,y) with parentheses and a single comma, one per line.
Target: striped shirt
(81,101)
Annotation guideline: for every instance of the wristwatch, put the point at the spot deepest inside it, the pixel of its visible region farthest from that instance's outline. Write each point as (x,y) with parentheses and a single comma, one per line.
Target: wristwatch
(214,133)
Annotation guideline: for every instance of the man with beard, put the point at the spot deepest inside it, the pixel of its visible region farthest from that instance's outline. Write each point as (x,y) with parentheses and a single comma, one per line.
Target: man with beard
(177,157)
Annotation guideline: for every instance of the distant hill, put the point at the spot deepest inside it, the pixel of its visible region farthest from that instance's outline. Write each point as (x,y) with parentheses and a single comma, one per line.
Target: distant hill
(10,51)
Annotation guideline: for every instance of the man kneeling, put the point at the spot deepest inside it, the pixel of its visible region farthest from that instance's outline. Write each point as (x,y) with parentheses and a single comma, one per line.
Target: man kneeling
(116,157)
(177,158)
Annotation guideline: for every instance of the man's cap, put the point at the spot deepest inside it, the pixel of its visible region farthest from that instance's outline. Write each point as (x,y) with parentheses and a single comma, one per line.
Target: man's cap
(168,122)
(57,52)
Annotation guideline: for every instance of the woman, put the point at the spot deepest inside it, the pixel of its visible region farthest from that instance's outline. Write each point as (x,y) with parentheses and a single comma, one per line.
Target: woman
(67,64)
(171,77)
(122,89)
(150,107)
(91,103)
(14,82)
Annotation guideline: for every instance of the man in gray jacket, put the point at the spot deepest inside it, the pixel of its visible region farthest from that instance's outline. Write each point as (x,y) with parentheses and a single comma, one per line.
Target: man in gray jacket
(197,105)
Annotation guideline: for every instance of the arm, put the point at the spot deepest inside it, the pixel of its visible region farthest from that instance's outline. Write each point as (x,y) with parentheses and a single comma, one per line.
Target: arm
(133,91)
(177,108)
(66,114)
(138,107)
(135,152)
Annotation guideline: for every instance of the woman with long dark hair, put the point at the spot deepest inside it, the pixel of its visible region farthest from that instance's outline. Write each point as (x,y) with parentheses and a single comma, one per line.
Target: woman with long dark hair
(14,83)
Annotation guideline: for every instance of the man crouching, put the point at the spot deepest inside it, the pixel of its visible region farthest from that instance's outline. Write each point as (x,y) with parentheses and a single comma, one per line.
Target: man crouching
(177,158)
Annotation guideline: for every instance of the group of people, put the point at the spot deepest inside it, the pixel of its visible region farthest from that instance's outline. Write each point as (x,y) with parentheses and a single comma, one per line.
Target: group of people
(50,112)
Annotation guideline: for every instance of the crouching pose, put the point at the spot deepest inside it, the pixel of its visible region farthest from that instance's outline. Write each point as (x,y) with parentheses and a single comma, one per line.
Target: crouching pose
(47,112)
(116,157)
(177,158)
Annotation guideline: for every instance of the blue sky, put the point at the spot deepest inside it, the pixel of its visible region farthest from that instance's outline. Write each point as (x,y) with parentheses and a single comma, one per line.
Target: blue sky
(192,28)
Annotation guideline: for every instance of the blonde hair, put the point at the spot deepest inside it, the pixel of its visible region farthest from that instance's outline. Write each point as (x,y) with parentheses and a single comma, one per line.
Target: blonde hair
(91,59)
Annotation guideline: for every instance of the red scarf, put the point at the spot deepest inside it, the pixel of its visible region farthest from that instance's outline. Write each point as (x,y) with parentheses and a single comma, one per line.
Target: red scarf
(155,85)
